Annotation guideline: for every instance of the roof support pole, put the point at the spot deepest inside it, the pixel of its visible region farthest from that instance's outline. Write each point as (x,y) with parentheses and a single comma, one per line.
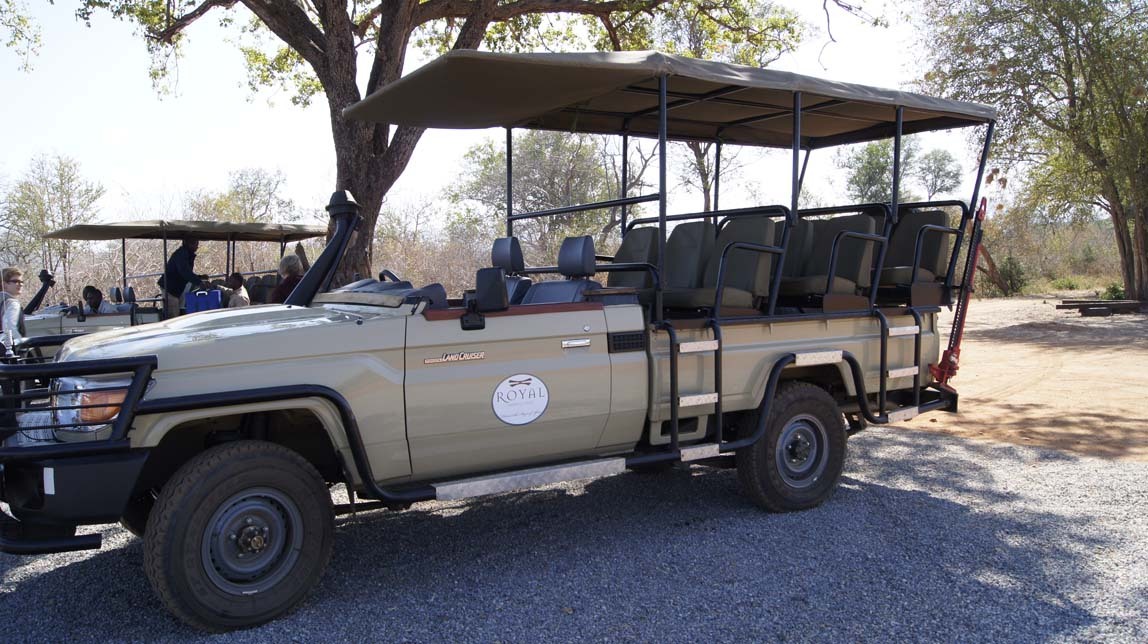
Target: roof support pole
(894,216)
(896,163)
(663,128)
(804,165)
(509,182)
(981,169)
(625,178)
(163,272)
(794,194)
(717,178)
(124,262)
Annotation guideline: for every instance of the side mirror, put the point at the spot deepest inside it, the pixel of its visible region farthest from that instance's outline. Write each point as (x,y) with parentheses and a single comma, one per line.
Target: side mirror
(489,295)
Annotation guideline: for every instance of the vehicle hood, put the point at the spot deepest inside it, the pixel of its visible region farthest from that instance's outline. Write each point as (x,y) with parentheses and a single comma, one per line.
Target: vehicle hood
(215,338)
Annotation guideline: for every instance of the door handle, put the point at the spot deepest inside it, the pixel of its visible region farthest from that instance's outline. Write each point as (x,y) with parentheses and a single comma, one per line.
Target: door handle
(578,342)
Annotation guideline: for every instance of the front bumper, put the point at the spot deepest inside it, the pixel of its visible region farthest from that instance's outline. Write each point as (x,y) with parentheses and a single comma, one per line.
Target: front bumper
(52,486)
(44,495)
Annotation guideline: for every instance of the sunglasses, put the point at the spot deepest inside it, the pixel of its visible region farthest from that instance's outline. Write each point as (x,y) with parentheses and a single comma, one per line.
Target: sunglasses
(15,281)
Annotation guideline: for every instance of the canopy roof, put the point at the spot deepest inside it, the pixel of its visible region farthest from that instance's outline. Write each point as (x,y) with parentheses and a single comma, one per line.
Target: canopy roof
(617,92)
(201,230)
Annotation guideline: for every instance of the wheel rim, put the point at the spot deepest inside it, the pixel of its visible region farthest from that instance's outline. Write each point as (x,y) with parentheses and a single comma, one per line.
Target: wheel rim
(252,541)
(800,451)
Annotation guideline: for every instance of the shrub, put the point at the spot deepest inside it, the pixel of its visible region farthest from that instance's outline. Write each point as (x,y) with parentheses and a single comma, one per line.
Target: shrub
(1065,284)
(1013,275)
(1113,291)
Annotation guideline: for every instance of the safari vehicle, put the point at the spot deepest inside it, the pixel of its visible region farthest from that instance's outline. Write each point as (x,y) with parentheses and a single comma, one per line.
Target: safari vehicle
(742,338)
(53,325)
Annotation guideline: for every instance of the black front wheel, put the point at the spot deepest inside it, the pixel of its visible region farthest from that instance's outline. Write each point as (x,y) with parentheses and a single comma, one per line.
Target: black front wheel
(798,462)
(239,535)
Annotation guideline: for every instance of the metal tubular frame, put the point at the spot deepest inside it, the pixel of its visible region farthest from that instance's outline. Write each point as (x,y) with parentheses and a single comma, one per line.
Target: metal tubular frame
(663,81)
(625,180)
(509,183)
(597,205)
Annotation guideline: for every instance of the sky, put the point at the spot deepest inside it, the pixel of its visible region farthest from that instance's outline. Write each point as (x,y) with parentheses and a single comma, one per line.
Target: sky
(88,96)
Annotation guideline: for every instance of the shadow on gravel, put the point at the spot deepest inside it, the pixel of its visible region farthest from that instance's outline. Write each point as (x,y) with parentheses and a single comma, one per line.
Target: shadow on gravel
(678,555)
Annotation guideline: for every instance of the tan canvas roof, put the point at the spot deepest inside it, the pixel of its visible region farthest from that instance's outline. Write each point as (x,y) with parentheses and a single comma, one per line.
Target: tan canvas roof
(617,92)
(201,230)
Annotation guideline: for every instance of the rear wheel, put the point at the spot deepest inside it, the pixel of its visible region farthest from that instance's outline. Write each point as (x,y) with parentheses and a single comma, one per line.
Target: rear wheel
(797,463)
(239,535)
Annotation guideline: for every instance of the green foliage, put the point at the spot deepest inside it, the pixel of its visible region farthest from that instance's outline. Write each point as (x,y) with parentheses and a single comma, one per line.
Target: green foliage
(1113,291)
(869,170)
(18,32)
(1068,80)
(52,194)
(1013,275)
(252,195)
(551,169)
(1065,284)
(938,172)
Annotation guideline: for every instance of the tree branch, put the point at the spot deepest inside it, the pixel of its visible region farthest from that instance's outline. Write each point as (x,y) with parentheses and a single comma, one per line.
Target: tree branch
(177,27)
(292,25)
(439,9)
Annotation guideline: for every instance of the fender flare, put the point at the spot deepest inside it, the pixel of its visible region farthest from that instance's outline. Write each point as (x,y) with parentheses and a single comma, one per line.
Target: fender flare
(294,392)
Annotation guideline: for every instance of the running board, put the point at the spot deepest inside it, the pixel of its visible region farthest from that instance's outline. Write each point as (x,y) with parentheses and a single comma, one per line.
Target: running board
(698,452)
(523,479)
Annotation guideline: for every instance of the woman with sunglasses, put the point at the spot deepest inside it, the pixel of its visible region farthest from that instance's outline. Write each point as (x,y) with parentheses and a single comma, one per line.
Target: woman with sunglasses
(11,316)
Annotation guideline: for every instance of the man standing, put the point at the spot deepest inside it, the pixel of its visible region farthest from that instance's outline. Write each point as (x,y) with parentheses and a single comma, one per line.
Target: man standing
(178,273)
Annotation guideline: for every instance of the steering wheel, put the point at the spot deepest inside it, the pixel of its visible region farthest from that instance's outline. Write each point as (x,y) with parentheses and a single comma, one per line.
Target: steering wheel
(385,274)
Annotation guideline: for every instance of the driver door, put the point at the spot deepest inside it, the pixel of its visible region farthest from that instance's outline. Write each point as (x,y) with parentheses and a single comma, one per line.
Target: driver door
(532,386)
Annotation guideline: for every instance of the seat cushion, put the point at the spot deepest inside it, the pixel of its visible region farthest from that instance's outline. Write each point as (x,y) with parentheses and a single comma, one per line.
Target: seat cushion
(687,250)
(934,247)
(903,274)
(558,291)
(507,255)
(698,298)
(576,257)
(815,285)
(516,287)
(640,245)
(746,269)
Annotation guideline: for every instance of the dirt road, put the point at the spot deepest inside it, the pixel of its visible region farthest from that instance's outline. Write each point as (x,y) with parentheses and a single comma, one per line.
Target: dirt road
(1032,375)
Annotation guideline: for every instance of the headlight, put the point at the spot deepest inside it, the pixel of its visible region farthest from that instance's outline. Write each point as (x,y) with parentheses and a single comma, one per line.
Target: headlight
(80,401)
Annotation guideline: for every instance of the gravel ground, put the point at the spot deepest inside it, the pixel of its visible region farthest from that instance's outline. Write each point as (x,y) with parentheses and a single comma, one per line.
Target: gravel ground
(929,538)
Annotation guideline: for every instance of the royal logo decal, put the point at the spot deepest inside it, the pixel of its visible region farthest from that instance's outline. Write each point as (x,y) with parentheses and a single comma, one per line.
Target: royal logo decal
(520,399)
(461,356)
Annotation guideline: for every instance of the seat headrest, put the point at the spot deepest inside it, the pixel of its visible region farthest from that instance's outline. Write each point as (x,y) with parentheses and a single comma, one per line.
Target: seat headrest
(115,294)
(576,257)
(507,255)
(129,294)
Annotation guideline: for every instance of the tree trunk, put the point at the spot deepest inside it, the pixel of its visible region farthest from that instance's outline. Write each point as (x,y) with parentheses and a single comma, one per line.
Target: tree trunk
(1139,291)
(1124,246)
(700,153)
(989,268)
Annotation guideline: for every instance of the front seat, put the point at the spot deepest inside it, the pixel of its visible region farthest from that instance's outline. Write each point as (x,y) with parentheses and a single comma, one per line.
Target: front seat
(576,263)
(507,255)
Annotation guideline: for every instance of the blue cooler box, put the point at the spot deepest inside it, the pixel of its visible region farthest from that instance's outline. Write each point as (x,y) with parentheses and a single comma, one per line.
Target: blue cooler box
(197,301)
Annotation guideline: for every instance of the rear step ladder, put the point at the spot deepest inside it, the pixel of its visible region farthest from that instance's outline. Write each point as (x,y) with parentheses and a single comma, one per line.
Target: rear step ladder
(677,401)
(887,332)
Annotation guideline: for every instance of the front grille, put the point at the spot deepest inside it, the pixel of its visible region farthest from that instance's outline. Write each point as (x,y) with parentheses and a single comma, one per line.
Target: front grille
(628,341)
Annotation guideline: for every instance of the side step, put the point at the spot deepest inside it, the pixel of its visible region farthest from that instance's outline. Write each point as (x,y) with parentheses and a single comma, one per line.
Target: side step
(523,479)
